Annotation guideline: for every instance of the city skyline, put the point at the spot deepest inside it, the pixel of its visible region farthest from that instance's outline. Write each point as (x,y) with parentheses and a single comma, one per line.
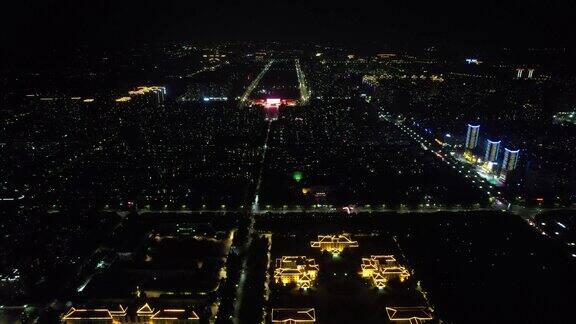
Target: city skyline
(287,162)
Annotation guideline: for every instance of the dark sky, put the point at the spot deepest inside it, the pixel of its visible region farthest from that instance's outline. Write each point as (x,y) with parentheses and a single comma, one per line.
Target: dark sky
(28,24)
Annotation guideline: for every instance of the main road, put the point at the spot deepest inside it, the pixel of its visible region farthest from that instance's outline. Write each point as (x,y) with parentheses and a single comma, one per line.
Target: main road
(246,96)
(255,203)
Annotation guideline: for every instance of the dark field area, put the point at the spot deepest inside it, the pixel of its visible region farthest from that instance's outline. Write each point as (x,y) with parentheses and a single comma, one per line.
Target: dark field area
(561,225)
(279,82)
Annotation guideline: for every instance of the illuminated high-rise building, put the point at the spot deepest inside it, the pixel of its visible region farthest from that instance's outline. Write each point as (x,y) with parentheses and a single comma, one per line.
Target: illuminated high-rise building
(519,73)
(492,150)
(161,94)
(472,136)
(530,73)
(510,159)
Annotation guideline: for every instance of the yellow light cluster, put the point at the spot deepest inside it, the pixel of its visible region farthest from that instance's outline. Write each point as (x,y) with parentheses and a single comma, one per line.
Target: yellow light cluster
(470,157)
(380,268)
(139,91)
(144,90)
(123,99)
(437,78)
(371,80)
(296,269)
(333,243)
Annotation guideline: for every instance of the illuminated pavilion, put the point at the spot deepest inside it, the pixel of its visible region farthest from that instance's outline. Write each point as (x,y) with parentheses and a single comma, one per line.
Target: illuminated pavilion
(333,243)
(381,268)
(296,269)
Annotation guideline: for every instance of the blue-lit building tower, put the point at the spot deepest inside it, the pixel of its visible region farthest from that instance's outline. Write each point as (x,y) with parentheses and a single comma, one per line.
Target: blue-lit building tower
(472,136)
(492,150)
(510,160)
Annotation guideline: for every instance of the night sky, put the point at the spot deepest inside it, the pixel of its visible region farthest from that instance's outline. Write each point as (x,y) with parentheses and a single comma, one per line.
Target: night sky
(32,23)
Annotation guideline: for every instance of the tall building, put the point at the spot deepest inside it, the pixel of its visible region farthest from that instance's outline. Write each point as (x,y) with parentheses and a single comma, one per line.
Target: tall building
(530,73)
(519,73)
(492,150)
(161,94)
(472,136)
(510,159)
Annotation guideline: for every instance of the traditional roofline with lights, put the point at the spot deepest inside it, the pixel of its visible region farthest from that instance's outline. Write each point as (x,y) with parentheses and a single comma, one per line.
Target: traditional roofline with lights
(381,268)
(296,269)
(334,243)
(293,315)
(412,315)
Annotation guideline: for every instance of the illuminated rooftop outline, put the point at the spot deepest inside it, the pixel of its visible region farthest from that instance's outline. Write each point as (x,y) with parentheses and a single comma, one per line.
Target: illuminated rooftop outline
(296,269)
(81,314)
(145,314)
(334,243)
(412,315)
(293,315)
(381,268)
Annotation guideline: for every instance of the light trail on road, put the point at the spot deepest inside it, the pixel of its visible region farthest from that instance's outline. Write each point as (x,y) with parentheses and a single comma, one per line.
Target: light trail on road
(254,209)
(304,91)
(254,84)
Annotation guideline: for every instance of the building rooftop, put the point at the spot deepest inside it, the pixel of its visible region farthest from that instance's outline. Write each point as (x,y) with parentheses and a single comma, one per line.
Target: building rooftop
(333,243)
(413,315)
(146,314)
(380,268)
(146,311)
(95,314)
(296,269)
(293,315)
(86,314)
(174,314)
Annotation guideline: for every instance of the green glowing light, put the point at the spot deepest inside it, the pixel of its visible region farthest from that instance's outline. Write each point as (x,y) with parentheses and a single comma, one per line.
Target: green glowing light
(297,176)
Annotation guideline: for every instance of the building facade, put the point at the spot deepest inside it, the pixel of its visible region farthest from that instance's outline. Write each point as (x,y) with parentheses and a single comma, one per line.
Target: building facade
(492,150)
(510,160)
(472,136)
